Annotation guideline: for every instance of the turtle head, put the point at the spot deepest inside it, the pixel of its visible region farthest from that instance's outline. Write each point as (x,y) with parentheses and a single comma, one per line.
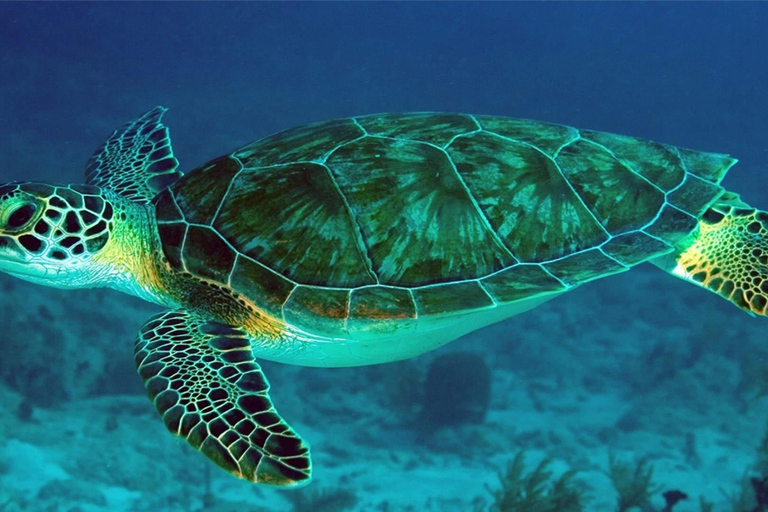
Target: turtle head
(49,234)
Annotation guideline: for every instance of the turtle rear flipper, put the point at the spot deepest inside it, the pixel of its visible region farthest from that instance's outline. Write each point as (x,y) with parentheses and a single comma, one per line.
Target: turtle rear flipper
(208,389)
(728,254)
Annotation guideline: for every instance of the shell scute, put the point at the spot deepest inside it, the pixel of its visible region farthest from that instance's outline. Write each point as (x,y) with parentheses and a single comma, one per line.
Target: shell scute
(380,308)
(319,310)
(583,266)
(634,248)
(382,303)
(172,235)
(292,219)
(547,137)
(417,219)
(207,255)
(672,225)
(525,197)
(265,288)
(305,143)
(435,128)
(519,282)
(709,166)
(204,190)
(166,209)
(445,299)
(620,199)
(695,195)
(658,163)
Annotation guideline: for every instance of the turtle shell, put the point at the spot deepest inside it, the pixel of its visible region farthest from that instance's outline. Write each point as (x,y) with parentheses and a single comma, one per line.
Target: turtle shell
(363,223)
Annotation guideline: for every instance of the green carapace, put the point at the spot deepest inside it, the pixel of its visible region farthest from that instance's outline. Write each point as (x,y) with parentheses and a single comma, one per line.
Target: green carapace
(360,241)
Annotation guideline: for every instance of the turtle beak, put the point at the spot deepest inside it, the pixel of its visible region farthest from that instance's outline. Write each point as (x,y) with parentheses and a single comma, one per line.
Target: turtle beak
(33,270)
(9,250)
(18,263)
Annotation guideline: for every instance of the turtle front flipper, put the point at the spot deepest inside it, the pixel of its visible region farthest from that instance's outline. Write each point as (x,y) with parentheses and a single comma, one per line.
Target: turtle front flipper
(728,254)
(137,161)
(208,389)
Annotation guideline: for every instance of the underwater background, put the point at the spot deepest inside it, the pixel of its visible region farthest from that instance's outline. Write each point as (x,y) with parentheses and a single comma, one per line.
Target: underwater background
(606,399)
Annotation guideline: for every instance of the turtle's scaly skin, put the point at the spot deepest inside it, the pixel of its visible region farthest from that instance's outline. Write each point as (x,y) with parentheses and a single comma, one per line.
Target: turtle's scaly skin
(365,225)
(214,394)
(730,249)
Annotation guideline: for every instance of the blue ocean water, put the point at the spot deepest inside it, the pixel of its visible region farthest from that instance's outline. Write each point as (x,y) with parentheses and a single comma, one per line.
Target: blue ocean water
(640,366)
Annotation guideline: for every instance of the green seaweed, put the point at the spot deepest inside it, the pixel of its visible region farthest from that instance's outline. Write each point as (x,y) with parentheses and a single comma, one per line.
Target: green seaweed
(751,494)
(535,491)
(633,482)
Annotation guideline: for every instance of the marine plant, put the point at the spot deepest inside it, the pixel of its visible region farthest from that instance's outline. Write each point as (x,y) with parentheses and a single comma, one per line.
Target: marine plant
(751,495)
(633,482)
(535,491)
(705,506)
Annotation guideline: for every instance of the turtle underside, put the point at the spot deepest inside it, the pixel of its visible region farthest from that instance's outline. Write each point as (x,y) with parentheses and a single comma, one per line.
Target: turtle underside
(365,223)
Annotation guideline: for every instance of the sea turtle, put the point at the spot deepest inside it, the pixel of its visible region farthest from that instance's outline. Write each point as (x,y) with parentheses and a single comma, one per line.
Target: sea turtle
(359,241)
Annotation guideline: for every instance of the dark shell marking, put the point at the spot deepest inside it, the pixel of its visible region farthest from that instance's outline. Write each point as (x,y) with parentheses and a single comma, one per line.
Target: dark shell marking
(374,221)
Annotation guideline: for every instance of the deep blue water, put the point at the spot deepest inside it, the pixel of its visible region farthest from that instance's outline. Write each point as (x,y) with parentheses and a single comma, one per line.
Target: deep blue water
(689,74)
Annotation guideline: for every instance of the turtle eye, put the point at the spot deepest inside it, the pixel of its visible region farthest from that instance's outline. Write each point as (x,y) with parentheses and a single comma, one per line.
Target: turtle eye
(21,216)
